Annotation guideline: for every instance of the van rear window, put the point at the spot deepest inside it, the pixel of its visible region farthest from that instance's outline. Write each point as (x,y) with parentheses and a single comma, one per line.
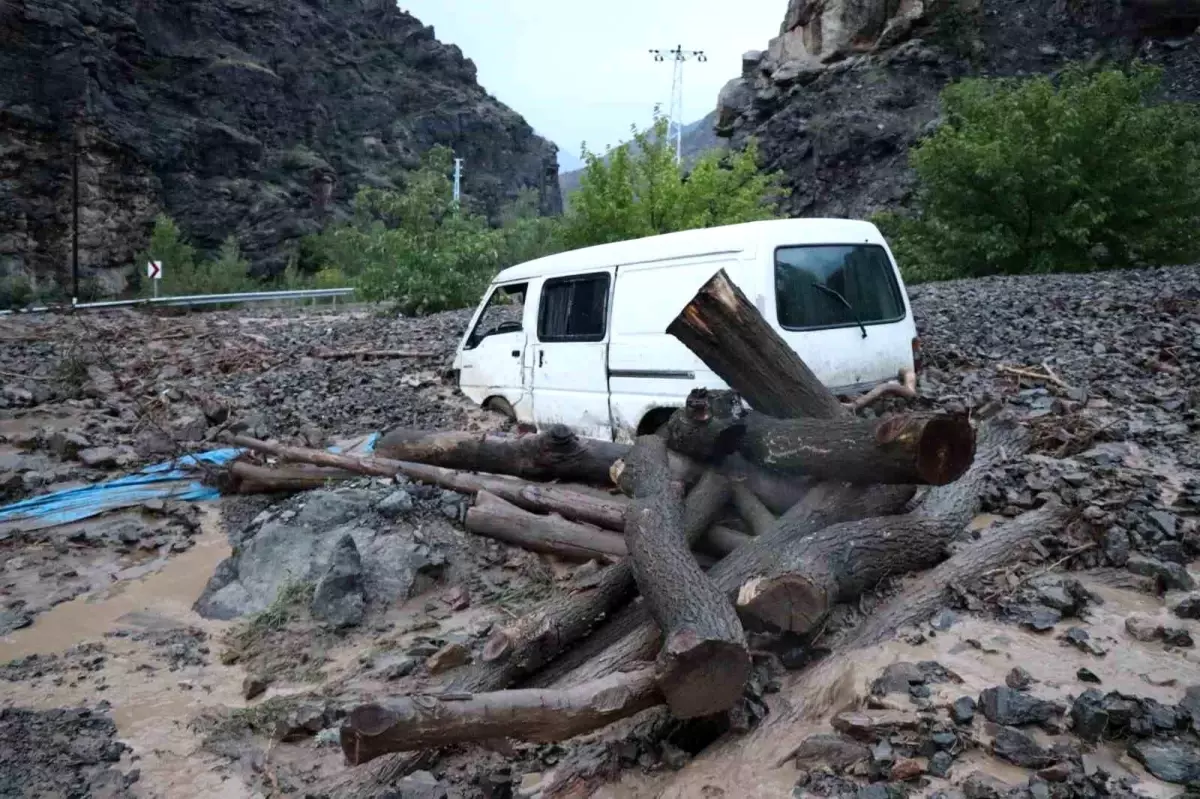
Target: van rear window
(835,285)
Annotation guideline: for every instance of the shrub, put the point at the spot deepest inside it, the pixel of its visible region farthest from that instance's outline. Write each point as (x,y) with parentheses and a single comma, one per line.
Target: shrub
(16,292)
(1036,175)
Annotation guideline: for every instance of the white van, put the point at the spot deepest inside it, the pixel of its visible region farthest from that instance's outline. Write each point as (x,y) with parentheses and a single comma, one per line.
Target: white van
(579,338)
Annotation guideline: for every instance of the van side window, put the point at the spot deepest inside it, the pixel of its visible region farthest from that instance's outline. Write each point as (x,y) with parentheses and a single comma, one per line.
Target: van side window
(835,285)
(574,308)
(502,314)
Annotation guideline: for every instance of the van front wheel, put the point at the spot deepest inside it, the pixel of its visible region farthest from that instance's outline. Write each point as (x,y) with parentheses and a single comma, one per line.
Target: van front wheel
(501,406)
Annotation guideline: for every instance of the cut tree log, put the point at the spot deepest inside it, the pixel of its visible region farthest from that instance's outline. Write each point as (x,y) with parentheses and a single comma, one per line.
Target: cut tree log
(999,545)
(910,448)
(779,492)
(634,636)
(932,449)
(724,329)
(539,636)
(578,503)
(423,722)
(778,737)
(754,513)
(556,454)
(810,574)
(704,663)
(243,477)
(496,518)
(706,427)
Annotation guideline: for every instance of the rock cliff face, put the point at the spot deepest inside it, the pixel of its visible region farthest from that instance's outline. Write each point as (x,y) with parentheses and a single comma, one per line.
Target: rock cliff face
(255,117)
(848,86)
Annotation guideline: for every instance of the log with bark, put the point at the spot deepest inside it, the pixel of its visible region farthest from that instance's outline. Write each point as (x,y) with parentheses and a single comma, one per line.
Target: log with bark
(633,634)
(997,546)
(496,518)
(724,329)
(243,477)
(427,721)
(539,636)
(913,448)
(704,663)
(933,449)
(556,454)
(810,574)
(577,503)
(754,513)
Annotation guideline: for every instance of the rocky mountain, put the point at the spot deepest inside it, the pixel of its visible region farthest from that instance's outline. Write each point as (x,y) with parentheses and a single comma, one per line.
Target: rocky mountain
(698,138)
(837,99)
(255,117)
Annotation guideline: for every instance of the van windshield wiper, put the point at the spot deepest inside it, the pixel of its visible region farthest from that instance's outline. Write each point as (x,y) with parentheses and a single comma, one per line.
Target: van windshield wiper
(837,294)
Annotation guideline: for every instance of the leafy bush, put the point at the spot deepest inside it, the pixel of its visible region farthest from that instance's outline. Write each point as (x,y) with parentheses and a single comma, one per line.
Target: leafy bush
(1036,175)
(16,292)
(184,273)
(641,191)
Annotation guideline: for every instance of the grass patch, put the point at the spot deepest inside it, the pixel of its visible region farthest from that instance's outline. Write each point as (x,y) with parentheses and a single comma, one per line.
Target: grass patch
(280,640)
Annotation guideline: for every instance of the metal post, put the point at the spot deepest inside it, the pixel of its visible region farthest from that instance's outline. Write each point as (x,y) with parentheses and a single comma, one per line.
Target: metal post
(675,120)
(458,162)
(75,218)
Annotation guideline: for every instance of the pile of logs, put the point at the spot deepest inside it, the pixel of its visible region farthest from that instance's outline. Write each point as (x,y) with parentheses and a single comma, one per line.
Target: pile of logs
(827,500)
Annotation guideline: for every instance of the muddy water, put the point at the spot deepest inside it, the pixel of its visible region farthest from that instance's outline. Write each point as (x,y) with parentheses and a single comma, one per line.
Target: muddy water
(981,652)
(151,709)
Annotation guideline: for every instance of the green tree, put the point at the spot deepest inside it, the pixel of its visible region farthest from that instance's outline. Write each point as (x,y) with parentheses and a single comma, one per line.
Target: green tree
(639,190)
(415,247)
(1035,175)
(169,247)
(525,234)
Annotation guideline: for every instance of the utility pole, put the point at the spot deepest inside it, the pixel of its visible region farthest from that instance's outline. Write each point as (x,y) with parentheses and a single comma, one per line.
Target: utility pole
(458,163)
(75,216)
(678,58)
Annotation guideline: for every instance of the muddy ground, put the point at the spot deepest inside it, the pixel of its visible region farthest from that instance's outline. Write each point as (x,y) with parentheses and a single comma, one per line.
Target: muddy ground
(208,649)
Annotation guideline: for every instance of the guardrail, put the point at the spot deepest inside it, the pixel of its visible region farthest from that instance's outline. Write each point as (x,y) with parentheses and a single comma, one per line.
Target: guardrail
(200,299)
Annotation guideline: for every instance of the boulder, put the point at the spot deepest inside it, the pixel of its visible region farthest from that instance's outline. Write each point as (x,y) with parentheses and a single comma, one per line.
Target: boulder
(338,599)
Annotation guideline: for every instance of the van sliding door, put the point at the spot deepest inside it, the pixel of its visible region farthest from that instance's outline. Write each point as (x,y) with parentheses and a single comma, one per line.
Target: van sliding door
(570,355)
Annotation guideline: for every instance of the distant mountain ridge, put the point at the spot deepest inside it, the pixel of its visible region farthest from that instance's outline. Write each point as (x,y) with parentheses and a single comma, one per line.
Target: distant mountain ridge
(698,138)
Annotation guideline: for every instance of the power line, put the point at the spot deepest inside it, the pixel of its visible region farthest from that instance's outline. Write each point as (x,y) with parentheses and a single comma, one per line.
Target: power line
(678,57)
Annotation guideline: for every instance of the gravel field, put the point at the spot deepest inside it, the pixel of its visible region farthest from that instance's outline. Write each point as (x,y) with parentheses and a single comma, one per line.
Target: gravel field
(1070,673)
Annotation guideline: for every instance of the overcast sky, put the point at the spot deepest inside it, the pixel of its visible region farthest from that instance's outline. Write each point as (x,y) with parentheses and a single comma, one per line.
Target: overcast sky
(581,71)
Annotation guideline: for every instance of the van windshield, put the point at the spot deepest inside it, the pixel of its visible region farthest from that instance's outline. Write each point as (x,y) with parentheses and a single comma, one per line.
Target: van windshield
(835,285)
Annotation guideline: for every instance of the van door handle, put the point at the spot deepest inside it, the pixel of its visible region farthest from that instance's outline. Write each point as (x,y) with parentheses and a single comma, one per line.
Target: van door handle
(541,357)
(516,353)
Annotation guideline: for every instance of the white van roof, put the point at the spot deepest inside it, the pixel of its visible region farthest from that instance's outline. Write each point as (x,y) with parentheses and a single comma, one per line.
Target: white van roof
(704,241)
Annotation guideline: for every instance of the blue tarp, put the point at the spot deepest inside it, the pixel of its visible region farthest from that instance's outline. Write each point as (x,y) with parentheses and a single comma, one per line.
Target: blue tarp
(174,479)
(171,480)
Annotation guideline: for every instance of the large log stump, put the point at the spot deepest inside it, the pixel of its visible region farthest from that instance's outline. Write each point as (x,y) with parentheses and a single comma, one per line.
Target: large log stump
(723,328)
(423,722)
(704,664)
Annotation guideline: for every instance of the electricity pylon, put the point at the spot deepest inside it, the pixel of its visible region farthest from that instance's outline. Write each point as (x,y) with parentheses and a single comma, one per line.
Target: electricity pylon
(678,58)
